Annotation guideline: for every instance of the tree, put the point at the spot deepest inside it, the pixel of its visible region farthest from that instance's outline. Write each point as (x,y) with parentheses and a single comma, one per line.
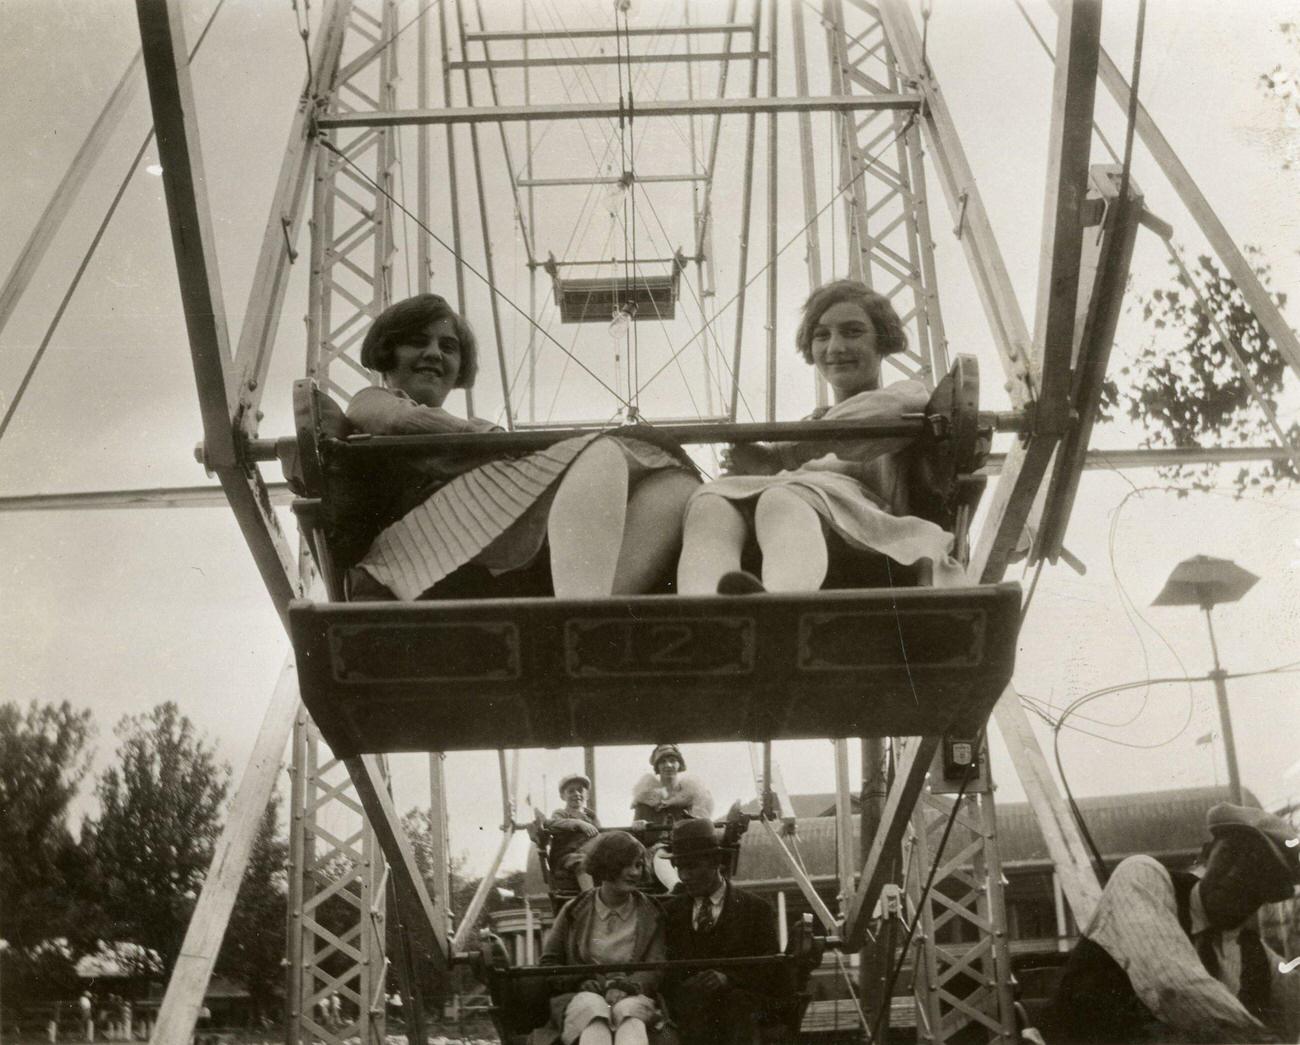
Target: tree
(1182,386)
(254,946)
(153,840)
(1283,85)
(418,827)
(44,757)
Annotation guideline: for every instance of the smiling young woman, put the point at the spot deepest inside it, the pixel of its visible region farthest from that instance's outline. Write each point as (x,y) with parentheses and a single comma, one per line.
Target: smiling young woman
(795,504)
(607,508)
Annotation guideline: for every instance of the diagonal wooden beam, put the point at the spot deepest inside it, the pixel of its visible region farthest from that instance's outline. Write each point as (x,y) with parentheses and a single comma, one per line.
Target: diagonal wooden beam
(801,879)
(970,219)
(419,913)
(1074,94)
(1025,465)
(69,187)
(1069,145)
(908,782)
(176,125)
(1069,854)
(189,979)
(1264,307)
(266,296)
(1106,262)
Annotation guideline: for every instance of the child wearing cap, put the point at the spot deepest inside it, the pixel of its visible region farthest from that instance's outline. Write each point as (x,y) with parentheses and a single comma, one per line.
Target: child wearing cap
(570,827)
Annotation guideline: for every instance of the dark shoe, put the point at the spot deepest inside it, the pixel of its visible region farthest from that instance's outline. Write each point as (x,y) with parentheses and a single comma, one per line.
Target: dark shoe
(739,582)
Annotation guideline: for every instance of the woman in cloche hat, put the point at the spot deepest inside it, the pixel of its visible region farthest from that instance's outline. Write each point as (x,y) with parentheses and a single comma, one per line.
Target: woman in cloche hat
(665,796)
(670,793)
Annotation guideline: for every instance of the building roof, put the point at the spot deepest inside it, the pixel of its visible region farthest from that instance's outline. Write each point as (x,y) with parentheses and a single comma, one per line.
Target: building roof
(1162,823)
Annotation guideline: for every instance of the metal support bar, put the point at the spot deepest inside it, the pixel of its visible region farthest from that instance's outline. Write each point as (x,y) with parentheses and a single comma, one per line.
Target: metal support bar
(579,33)
(550,62)
(908,782)
(846,863)
(749,106)
(211,496)
(641,179)
(773,185)
(489,262)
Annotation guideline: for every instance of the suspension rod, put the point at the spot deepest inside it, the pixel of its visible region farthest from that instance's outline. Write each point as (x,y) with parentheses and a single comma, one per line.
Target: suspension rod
(609,110)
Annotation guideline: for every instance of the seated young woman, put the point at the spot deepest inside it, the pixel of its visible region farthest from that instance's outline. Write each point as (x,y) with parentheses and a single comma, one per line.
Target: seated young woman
(661,798)
(798,500)
(608,507)
(614,922)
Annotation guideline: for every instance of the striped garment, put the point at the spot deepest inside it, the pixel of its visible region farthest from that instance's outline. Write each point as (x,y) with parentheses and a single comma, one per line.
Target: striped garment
(494,515)
(1136,923)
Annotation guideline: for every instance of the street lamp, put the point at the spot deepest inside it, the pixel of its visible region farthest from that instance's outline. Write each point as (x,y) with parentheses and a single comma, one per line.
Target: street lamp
(1205,582)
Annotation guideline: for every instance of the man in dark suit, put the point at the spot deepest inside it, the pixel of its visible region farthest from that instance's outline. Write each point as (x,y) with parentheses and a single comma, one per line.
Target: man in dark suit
(714,919)
(1171,957)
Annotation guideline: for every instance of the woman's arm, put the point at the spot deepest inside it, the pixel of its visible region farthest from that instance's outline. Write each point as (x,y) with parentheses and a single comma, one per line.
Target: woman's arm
(657,951)
(555,946)
(379,411)
(753,459)
(879,404)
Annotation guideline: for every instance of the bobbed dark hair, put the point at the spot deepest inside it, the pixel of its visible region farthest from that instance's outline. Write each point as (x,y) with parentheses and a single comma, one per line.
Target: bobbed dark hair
(609,853)
(890,335)
(404,324)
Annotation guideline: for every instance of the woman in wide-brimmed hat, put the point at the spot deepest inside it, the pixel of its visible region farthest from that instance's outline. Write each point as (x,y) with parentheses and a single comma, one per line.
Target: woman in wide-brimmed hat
(670,793)
(665,796)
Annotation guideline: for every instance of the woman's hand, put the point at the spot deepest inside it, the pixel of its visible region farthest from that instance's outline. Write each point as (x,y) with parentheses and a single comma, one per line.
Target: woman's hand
(613,996)
(750,459)
(637,1007)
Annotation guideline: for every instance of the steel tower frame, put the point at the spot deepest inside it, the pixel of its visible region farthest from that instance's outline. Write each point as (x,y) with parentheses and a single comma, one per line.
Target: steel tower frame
(1037,361)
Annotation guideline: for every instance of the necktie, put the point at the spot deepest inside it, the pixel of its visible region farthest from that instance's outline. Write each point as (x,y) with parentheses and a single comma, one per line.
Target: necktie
(704,920)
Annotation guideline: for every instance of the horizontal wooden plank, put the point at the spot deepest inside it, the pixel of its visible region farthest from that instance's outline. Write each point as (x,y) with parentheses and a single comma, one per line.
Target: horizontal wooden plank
(486,674)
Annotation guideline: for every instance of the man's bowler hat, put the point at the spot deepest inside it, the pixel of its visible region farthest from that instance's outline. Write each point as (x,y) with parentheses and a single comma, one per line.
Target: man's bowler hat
(693,837)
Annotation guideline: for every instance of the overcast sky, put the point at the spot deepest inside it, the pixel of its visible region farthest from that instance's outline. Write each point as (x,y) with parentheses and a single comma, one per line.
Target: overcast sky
(120,609)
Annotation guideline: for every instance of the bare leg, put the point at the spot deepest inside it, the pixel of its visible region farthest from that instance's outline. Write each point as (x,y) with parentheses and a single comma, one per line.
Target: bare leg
(596,1033)
(789,532)
(585,527)
(653,532)
(712,541)
(631,1032)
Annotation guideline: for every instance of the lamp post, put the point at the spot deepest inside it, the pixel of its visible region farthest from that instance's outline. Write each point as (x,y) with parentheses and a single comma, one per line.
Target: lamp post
(1206,582)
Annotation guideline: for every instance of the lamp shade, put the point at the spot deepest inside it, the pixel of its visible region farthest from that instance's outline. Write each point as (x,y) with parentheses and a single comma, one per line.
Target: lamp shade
(1205,581)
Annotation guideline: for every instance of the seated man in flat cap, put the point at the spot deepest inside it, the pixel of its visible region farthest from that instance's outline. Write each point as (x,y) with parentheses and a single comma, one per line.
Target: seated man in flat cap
(1170,957)
(714,919)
